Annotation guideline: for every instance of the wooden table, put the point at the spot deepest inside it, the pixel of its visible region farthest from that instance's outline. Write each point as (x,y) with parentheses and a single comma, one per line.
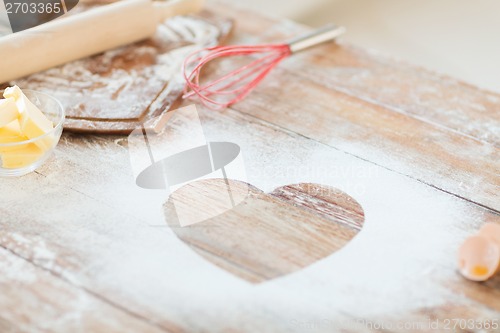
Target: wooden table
(415,154)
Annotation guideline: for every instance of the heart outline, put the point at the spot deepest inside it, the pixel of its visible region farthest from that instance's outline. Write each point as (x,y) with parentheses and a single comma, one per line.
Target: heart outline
(297,226)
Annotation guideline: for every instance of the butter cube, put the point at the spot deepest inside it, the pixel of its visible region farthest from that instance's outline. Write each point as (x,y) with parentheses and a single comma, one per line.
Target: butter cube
(32,121)
(11,133)
(8,111)
(21,156)
(11,130)
(13,92)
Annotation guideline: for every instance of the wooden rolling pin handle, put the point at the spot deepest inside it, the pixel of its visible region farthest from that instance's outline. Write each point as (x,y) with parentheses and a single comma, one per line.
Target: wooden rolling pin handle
(67,39)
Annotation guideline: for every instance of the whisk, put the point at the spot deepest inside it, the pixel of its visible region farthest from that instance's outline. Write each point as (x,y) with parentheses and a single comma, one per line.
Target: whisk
(237,84)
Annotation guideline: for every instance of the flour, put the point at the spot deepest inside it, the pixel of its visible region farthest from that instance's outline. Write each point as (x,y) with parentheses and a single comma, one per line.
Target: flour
(128,78)
(401,262)
(15,270)
(407,209)
(34,248)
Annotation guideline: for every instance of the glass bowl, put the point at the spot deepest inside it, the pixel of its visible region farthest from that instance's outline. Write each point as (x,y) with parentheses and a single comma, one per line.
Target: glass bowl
(20,158)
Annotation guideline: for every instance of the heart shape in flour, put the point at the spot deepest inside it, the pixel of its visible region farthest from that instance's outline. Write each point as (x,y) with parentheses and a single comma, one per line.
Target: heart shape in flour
(26,14)
(265,236)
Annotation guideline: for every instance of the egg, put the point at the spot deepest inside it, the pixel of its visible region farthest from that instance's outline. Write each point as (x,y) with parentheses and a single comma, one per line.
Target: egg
(479,255)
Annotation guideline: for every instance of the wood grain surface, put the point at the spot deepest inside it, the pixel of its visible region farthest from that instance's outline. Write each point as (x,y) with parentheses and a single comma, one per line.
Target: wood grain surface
(116,91)
(84,249)
(296,225)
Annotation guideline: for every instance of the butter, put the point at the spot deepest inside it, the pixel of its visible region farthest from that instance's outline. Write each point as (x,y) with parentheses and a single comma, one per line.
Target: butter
(8,111)
(11,133)
(17,156)
(21,120)
(32,121)
(21,156)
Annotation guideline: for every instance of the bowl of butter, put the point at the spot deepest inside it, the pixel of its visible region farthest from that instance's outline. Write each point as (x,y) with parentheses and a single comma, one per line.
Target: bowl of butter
(31,125)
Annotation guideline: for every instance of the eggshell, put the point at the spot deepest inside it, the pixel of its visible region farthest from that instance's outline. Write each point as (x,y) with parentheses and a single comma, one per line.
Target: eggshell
(491,230)
(479,258)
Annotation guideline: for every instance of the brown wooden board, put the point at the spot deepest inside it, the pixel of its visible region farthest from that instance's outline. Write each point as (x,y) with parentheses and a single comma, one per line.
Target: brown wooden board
(296,225)
(112,93)
(93,252)
(381,110)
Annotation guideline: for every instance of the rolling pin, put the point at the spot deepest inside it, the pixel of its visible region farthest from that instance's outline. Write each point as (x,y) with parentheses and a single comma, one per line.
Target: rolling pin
(82,35)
